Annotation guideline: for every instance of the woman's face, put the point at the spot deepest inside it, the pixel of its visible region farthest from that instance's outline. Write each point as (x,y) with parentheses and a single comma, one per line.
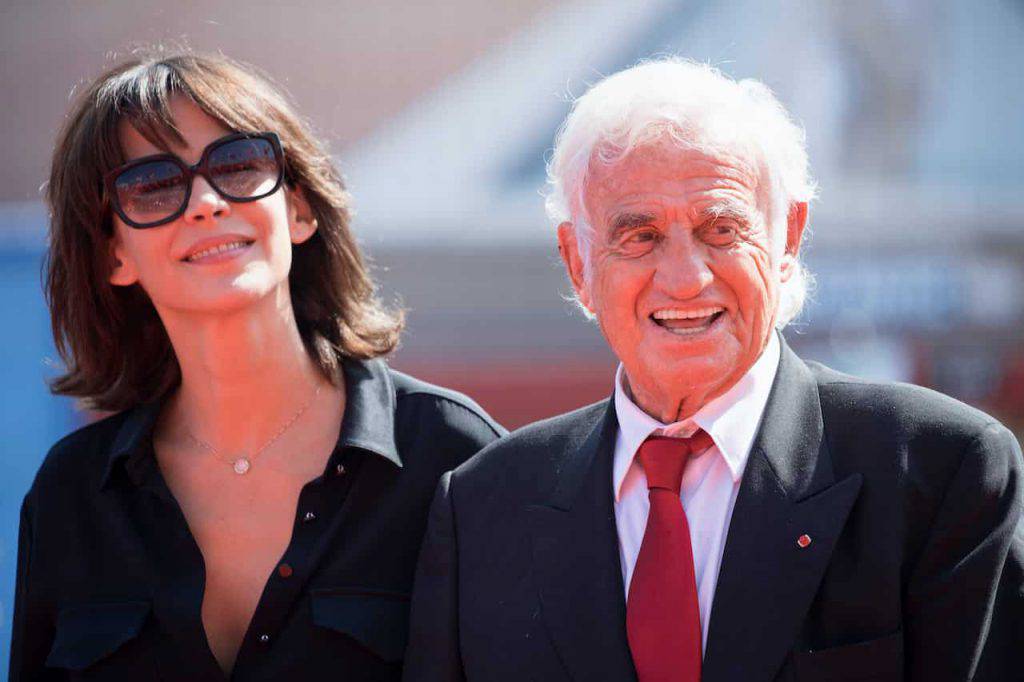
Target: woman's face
(218,256)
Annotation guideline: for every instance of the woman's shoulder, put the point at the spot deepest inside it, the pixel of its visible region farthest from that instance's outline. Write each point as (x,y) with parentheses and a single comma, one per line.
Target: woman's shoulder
(422,427)
(453,410)
(81,457)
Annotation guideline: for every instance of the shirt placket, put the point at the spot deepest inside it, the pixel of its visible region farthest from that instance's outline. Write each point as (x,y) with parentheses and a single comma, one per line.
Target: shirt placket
(179,585)
(317,521)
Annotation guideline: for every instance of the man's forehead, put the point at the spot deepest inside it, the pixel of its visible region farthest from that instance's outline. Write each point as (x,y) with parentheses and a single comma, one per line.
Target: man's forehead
(675,170)
(676,160)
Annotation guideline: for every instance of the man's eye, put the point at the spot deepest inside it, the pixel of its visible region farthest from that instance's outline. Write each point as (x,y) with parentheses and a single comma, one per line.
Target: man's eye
(637,242)
(721,233)
(641,235)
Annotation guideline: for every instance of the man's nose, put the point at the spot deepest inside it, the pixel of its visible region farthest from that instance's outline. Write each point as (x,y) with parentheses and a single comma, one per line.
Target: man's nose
(683,270)
(205,204)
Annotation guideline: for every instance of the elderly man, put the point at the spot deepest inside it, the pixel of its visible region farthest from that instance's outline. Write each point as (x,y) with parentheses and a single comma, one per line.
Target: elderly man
(732,513)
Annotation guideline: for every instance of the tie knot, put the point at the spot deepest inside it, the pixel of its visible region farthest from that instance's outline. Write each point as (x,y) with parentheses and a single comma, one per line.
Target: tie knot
(664,458)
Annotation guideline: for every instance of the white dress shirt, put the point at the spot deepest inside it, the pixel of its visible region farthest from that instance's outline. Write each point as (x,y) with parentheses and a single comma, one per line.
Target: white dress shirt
(710,481)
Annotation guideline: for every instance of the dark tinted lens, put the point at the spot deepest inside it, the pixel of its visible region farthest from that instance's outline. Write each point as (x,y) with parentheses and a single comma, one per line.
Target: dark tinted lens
(151,191)
(244,168)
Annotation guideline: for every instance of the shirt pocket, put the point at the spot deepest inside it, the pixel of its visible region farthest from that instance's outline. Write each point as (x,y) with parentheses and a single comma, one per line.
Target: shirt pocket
(89,635)
(377,620)
(872,660)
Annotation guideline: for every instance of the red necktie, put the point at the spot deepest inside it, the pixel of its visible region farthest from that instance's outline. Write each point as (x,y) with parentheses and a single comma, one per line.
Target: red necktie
(662,612)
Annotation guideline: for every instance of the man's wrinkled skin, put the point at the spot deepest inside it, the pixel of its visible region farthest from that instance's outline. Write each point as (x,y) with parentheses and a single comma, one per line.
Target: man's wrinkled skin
(680,231)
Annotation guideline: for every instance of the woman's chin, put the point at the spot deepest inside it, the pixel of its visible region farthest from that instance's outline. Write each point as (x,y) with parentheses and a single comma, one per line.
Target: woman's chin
(235,297)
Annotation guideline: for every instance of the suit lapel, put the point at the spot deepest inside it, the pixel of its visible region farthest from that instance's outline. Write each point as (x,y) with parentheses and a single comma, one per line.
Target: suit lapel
(576,560)
(767,580)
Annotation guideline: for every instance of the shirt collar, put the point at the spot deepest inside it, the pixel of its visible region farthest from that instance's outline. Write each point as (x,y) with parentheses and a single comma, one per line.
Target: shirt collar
(732,419)
(369,422)
(130,442)
(370,402)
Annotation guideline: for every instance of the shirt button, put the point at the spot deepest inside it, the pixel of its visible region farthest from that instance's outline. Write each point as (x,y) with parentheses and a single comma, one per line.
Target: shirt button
(309,516)
(264,638)
(285,570)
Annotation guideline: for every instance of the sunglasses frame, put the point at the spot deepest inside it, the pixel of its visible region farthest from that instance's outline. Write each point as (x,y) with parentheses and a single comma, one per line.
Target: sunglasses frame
(190,173)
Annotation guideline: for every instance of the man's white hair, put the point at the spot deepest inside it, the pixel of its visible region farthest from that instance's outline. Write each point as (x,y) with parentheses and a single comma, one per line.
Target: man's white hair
(694,106)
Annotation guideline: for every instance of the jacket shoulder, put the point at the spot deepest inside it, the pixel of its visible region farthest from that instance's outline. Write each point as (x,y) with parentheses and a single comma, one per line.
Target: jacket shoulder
(534,449)
(902,409)
(921,436)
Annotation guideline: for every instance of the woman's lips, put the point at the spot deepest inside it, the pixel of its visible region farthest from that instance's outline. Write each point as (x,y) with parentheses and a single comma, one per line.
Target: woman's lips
(218,253)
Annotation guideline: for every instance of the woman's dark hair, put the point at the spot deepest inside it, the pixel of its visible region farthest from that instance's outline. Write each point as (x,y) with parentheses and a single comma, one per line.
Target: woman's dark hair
(113,344)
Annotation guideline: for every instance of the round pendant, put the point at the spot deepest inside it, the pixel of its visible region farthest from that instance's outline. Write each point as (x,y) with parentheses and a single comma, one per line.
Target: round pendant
(241,465)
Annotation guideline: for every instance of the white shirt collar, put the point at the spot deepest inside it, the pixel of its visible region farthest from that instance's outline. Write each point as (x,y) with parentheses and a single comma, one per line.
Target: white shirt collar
(731,419)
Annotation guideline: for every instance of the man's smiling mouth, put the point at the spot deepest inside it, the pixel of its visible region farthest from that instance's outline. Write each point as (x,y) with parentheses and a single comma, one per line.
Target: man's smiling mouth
(685,322)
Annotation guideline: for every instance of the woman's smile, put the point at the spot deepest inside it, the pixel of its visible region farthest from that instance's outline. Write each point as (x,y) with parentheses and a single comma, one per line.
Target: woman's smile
(217,250)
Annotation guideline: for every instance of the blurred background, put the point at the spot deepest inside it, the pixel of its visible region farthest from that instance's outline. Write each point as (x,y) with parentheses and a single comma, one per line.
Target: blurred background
(441,115)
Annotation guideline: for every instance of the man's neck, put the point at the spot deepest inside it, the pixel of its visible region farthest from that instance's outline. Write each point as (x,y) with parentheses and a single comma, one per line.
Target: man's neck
(671,404)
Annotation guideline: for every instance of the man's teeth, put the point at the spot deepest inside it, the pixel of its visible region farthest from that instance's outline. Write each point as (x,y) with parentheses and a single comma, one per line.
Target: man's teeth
(687,314)
(687,322)
(220,248)
(684,331)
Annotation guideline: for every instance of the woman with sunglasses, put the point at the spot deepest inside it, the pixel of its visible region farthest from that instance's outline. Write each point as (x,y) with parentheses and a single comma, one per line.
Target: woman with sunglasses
(255,506)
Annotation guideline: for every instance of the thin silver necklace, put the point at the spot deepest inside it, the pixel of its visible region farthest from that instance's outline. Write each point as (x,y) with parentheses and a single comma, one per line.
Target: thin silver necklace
(242,463)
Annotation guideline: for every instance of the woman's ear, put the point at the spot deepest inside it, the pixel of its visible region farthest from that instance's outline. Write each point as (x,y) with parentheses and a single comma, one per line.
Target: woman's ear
(123,272)
(301,221)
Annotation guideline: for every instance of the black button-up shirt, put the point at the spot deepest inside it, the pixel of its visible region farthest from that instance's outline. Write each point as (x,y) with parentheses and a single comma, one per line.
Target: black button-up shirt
(110,580)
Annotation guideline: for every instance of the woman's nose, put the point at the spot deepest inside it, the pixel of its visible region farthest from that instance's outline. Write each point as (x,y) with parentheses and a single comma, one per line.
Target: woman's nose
(205,204)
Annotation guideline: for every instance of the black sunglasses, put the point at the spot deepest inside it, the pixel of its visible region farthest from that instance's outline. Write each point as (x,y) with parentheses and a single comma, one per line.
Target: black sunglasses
(155,190)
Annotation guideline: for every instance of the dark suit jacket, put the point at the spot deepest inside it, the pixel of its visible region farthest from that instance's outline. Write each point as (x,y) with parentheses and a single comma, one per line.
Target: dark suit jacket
(912,500)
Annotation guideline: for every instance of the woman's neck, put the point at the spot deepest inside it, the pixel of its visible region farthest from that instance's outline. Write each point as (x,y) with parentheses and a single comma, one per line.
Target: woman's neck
(244,375)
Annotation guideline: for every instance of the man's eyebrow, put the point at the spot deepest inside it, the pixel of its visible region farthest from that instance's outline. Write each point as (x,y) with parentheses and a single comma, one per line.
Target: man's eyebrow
(628,219)
(726,209)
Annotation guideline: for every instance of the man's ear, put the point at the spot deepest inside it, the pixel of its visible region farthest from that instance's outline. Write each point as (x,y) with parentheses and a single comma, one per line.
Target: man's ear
(796,221)
(301,221)
(123,272)
(569,250)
